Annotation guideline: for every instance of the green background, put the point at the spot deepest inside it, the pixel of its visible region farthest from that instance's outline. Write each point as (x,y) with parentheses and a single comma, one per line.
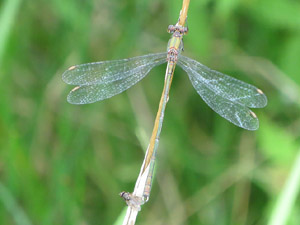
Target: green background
(66,164)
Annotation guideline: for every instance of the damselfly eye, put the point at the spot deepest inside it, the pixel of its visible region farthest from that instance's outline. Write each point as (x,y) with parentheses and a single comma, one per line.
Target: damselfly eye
(185,30)
(171,29)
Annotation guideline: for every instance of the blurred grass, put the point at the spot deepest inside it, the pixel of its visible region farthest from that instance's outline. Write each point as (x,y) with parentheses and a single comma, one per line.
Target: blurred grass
(7,18)
(66,164)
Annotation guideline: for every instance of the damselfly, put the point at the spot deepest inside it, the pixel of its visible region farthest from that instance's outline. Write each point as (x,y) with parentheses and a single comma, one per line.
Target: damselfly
(229,97)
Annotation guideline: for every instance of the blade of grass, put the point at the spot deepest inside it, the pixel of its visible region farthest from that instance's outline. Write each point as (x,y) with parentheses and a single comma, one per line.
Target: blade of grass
(12,206)
(7,16)
(287,198)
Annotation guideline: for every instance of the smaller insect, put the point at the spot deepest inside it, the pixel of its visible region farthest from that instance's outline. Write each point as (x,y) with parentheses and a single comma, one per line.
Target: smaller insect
(132,200)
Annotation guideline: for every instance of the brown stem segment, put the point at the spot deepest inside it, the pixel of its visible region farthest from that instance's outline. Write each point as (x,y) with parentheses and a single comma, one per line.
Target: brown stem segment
(159,115)
(183,12)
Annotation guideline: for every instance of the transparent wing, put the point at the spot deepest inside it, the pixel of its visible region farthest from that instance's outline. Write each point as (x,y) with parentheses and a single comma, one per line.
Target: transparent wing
(227,96)
(102,80)
(109,71)
(224,85)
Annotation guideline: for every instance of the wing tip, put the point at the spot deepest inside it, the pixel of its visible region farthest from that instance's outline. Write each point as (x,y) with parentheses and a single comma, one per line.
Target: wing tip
(74,102)
(254,124)
(71,98)
(75,88)
(71,68)
(251,113)
(259,91)
(253,128)
(76,98)
(265,99)
(250,128)
(65,75)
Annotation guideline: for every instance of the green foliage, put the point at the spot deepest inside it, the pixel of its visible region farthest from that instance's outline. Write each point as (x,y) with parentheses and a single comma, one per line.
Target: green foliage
(66,164)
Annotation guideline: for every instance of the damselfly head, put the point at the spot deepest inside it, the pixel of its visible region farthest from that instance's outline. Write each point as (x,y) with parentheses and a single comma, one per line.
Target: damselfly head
(180,29)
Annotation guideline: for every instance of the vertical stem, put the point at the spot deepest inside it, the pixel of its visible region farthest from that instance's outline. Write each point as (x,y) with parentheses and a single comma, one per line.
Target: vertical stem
(154,141)
(183,12)
(144,181)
